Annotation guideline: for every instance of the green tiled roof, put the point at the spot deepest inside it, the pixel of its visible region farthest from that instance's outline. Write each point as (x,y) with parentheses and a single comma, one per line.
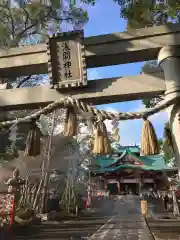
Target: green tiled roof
(143,162)
(105,161)
(155,161)
(120,149)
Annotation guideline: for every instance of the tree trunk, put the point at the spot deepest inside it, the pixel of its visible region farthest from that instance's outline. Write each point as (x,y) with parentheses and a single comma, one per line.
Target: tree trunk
(38,194)
(47,174)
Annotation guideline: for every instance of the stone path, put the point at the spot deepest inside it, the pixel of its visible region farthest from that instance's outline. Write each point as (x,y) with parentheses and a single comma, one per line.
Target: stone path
(165,229)
(126,222)
(117,219)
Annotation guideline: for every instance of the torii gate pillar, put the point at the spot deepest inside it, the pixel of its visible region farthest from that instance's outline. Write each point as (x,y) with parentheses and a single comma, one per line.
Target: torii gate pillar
(169,60)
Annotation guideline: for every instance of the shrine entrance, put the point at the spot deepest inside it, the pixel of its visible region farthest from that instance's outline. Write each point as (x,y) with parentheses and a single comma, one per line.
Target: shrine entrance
(129,188)
(113,188)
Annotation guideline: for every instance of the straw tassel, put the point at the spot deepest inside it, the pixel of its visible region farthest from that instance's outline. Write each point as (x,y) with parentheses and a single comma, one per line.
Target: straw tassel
(70,128)
(115,130)
(149,141)
(102,144)
(168,136)
(33,142)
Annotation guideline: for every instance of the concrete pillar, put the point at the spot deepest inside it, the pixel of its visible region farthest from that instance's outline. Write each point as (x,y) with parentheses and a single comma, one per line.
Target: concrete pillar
(169,60)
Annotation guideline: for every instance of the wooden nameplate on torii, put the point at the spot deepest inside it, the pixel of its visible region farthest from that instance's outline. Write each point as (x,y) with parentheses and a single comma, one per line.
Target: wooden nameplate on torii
(66,60)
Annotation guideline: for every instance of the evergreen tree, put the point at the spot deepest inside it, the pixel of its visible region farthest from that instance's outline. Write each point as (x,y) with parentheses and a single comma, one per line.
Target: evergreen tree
(167,150)
(143,13)
(25,22)
(148,68)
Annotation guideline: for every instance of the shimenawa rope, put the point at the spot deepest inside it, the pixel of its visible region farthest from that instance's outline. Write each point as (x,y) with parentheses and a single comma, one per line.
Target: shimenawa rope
(84,107)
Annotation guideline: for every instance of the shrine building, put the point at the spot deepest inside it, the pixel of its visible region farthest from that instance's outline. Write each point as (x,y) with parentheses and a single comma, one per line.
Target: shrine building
(126,171)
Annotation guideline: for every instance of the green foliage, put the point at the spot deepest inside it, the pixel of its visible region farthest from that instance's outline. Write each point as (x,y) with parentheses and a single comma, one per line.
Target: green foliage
(4,142)
(29,23)
(11,152)
(168,152)
(21,136)
(34,18)
(8,150)
(152,102)
(143,13)
(151,66)
(166,148)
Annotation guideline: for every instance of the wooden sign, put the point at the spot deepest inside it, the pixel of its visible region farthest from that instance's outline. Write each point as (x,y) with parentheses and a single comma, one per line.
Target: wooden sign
(66,60)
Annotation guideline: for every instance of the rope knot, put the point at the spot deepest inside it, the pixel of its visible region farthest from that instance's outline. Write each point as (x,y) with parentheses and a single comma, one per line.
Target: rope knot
(99,118)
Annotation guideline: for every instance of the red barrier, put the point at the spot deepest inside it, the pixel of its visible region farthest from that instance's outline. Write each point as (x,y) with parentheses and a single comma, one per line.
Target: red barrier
(6,207)
(12,215)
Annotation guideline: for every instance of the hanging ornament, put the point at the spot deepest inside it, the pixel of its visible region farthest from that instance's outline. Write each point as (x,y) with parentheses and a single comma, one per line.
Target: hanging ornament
(33,142)
(13,133)
(149,141)
(115,134)
(115,130)
(70,128)
(101,144)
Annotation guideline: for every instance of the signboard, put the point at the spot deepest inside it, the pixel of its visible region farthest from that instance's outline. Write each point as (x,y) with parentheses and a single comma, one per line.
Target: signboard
(66,60)
(136,180)
(129,180)
(112,181)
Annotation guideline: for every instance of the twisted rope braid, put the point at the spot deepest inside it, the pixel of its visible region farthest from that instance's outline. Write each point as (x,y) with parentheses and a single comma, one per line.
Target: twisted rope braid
(84,107)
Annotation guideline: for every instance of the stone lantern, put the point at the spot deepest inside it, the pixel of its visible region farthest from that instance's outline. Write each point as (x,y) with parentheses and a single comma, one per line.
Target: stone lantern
(14,185)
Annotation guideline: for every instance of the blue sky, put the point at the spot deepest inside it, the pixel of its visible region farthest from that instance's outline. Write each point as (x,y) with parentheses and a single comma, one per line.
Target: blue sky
(104,18)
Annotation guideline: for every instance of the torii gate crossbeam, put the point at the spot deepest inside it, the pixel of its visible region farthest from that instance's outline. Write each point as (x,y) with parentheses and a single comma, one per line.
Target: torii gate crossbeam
(110,49)
(105,50)
(100,91)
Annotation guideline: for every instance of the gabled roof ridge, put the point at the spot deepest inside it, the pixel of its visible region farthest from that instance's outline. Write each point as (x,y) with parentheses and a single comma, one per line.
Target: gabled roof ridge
(132,154)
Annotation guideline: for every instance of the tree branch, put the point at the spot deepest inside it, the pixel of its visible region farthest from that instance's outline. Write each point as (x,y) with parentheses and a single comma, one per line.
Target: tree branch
(23,81)
(27,17)
(12,22)
(20,35)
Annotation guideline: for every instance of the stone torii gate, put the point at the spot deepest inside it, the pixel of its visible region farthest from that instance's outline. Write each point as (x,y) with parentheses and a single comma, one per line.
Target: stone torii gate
(160,43)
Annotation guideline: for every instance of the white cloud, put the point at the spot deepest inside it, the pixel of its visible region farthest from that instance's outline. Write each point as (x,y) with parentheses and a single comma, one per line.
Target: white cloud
(93,74)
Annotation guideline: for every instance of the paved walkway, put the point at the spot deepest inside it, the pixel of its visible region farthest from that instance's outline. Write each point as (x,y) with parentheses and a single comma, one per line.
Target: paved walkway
(126,222)
(162,229)
(116,219)
(165,229)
